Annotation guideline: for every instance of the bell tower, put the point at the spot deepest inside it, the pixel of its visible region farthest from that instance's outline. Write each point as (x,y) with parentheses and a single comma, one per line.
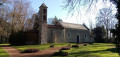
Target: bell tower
(42,24)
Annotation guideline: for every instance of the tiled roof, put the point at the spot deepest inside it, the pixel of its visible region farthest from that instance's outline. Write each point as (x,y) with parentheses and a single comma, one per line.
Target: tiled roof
(74,26)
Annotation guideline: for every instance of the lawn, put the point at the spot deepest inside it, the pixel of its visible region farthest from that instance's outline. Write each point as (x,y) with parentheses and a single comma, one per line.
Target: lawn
(96,50)
(3,53)
(41,47)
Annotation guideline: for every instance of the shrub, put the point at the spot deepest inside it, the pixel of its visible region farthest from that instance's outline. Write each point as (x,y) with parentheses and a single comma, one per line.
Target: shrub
(30,50)
(61,53)
(65,48)
(16,38)
(52,46)
(75,46)
(85,44)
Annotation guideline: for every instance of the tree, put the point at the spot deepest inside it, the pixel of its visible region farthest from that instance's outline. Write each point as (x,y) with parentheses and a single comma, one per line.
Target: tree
(19,14)
(49,21)
(15,16)
(4,25)
(60,20)
(36,21)
(4,31)
(99,33)
(75,5)
(2,1)
(19,18)
(104,18)
(55,20)
(116,31)
(29,24)
(52,21)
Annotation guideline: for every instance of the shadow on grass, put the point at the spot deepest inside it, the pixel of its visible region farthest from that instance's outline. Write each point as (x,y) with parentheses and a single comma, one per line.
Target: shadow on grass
(87,53)
(4,45)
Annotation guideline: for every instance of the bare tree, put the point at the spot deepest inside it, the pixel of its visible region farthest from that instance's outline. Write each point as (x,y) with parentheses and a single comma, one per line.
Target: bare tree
(75,5)
(105,18)
(29,24)
(4,25)
(36,21)
(2,1)
(19,14)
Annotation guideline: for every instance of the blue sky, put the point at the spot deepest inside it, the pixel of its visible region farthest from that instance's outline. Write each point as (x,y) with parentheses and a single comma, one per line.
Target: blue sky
(55,9)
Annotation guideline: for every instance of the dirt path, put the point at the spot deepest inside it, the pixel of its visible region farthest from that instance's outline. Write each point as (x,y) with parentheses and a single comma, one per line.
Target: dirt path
(11,51)
(45,53)
(15,53)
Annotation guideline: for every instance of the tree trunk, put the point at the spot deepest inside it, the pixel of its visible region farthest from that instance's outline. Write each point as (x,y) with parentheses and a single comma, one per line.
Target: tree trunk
(107,34)
(110,37)
(0,40)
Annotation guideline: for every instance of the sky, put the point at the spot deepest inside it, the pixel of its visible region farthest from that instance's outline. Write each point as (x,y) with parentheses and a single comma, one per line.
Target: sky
(55,9)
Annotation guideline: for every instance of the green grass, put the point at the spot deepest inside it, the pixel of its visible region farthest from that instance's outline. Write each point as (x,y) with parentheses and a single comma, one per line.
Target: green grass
(41,46)
(3,53)
(96,50)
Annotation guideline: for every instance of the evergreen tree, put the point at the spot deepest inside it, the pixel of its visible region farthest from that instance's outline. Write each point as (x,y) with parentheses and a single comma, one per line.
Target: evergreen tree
(55,20)
(99,34)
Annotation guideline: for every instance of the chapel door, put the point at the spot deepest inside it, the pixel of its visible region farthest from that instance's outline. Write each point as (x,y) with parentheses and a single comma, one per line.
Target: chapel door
(78,38)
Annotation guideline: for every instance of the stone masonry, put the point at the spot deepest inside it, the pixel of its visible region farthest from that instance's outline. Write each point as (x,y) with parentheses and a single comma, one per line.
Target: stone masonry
(42,24)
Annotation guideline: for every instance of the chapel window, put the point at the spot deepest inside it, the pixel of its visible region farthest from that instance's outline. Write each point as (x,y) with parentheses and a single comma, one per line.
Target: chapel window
(45,11)
(68,35)
(44,17)
(85,35)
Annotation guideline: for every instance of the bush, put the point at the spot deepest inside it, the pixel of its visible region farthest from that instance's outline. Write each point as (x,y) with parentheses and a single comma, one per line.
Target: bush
(75,46)
(60,53)
(16,38)
(65,48)
(85,44)
(52,46)
(30,50)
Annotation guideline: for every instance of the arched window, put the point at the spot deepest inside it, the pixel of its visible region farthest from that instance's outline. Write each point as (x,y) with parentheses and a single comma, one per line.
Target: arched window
(44,17)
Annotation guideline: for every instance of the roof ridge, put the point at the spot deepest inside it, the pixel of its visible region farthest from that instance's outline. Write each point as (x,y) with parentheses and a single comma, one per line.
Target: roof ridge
(71,23)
